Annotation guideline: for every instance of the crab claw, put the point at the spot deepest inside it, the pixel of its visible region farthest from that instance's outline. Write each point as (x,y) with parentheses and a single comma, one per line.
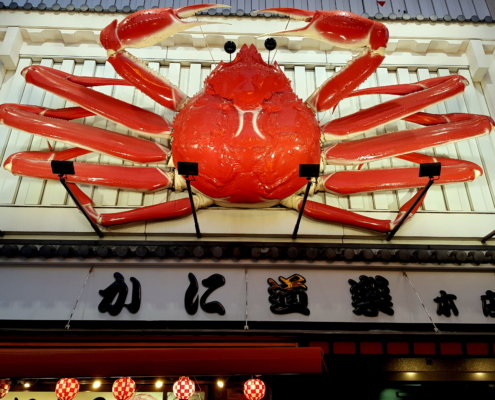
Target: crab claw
(338,28)
(147,27)
(342,29)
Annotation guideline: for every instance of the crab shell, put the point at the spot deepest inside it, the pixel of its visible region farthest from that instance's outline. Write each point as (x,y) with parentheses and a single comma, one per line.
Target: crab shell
(248,132)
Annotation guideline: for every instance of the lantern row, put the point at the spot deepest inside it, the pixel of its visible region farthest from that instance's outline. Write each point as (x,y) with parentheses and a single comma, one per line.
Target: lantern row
(125,388)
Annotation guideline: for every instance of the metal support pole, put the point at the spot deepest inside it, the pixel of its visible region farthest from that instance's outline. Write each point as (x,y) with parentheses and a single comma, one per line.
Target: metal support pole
(196,225)
(296,228)
(423,193)
(489,236)
(78,204)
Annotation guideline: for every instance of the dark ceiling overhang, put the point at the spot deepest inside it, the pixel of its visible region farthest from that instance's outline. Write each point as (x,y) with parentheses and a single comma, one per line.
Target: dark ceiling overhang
(96,251)
(94,362)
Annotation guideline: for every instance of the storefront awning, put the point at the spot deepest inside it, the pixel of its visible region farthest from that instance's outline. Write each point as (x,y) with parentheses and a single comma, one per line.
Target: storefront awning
(84,362)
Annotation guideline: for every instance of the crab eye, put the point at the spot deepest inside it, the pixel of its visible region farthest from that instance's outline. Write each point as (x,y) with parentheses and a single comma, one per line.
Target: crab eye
(270,44)
(229,47)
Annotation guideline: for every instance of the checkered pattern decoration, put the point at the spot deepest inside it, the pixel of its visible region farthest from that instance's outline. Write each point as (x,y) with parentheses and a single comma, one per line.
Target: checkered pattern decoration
(4,387)
(254,389)
(183,388)
(67,388)
(123,388)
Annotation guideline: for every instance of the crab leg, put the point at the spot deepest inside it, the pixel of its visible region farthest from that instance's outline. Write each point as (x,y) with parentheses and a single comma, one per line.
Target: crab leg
(328,213)
(415,97)
(84,136)
(75,90)
(397,143)
(350,182)
(145,28)
(37,164)
(343,29)
(163,211)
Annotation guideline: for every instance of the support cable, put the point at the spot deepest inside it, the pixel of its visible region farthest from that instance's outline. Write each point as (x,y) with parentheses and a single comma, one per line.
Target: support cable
(426,311)
(78,297)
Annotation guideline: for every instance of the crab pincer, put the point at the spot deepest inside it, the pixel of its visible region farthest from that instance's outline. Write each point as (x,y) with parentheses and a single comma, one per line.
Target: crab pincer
(142,29)
(148,27)
(343,29)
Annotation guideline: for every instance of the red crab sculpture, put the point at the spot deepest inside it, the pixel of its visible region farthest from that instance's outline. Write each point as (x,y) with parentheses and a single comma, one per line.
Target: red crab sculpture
(246,127)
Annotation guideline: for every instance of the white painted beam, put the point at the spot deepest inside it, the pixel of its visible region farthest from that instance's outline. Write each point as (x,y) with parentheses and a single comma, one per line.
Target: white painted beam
(479,62)
(11,47)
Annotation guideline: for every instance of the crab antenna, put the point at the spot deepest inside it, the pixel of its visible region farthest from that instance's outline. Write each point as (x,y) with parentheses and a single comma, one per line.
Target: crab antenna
(229,47)
(270,44)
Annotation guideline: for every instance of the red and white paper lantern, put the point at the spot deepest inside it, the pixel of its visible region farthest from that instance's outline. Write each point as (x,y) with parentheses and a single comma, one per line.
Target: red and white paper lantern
(123,388)
(254,389)
(4,387)
(183,388)
(67,388)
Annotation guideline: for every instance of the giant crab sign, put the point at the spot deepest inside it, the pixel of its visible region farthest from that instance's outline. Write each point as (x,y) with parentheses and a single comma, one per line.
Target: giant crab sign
(246,127)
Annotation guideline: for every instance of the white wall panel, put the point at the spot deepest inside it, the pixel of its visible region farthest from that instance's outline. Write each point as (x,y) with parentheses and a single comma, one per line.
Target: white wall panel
(475,196)
(306,69)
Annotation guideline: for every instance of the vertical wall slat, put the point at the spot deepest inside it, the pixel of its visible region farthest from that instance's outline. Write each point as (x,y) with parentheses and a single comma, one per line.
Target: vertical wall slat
(30,189)
(479,190)
(402,77)
(346,107)
(387,199)
(105,196)
(88,69)
(180,77)
(162,195)
(456,196)
(11,140)
(321,75)
(435,199)
(486,143)
(130,95)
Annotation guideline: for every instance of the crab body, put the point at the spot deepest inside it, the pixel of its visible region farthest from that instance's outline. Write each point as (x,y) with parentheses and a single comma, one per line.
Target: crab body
(250,132)
(246,129)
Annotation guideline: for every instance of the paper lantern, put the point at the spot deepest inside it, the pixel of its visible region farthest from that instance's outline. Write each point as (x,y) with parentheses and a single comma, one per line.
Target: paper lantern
(4,387)
(254,389)
(123,388)
(183,388)
(67,388)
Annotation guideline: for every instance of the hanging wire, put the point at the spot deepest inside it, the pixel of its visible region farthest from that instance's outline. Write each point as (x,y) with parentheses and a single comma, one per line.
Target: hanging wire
(78,297)
(204,37)
(276,49)
(427,313)
(246,327)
